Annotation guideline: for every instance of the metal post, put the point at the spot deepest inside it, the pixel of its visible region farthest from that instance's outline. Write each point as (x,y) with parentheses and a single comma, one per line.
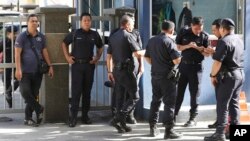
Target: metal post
(18,5)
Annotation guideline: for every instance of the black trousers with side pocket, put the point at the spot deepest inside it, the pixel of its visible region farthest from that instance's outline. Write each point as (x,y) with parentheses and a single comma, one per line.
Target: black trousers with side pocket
(29,88)
(125,82)
(191,74)
(164,90)
(81,85)
(227,96)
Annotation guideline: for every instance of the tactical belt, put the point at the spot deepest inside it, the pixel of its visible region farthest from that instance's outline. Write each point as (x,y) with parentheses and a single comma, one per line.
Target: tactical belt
(159,73)
(228,73)
(81,61)
(190,62)
(121,66)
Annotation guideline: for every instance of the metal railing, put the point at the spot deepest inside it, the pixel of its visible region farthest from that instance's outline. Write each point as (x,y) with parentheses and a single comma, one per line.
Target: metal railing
(17,100)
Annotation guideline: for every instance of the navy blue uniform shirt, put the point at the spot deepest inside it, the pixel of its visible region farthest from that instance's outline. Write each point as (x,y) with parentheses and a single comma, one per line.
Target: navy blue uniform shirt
(184,37)
(28,58)
(121,45)
(135,33)
(230,51)
(162,50)
(83,43)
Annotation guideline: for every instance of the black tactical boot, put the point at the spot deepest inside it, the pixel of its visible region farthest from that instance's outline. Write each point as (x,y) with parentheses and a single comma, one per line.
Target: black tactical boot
(72,119)
(115,123)
(216,137)
(130,118)
(72,122)
(191,122)
(85,119)
(154,131)
(214,125)
(39,116)
(122,118)
(170,133)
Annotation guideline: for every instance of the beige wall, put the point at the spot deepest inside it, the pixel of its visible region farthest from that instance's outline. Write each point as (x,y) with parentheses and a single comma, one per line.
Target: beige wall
(39,2)
(20,1)
(28,1)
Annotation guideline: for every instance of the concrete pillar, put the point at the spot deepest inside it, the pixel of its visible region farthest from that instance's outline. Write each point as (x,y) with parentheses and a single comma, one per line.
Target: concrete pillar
(55,92)
(144,10)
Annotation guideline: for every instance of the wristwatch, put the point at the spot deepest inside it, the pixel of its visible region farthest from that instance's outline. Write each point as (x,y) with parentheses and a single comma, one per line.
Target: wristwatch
(212,75)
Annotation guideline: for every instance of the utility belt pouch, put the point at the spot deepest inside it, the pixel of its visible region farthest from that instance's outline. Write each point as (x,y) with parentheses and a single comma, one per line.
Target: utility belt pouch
(223,74)
(174,75)
(118,66)
(130,65)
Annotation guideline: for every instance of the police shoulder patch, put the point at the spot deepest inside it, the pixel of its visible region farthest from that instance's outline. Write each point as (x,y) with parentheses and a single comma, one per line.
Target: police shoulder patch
(39,39)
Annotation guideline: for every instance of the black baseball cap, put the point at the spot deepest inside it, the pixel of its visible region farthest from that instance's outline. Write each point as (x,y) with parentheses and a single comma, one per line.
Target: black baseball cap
(228,21)
(9,28)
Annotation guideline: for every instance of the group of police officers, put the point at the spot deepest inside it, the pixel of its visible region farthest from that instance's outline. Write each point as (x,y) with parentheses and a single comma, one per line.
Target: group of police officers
(170,71)
(227,73)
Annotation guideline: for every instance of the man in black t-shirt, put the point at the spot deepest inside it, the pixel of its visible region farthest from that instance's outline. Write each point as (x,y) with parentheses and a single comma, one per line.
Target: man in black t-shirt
(191,42)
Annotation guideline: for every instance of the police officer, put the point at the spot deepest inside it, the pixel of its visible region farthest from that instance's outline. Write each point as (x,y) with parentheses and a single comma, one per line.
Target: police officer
(11,32)
(227,76)
(138,70)
(83,65)
(161,52)
(210,50)
(120,65)
(191,41)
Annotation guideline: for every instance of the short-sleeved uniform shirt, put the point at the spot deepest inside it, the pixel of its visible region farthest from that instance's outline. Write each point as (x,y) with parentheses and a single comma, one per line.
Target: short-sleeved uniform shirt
(229,51)
(121,45)
(162,50)
(184,37)
(137,38)
(83,43)
(135,33)
(29,60)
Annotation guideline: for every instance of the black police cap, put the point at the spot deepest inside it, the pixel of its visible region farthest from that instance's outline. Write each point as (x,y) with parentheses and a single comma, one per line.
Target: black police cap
(228,21)
(109,84)
(9,29)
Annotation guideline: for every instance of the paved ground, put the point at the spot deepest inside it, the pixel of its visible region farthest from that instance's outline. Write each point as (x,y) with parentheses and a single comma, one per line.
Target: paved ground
(98,131)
